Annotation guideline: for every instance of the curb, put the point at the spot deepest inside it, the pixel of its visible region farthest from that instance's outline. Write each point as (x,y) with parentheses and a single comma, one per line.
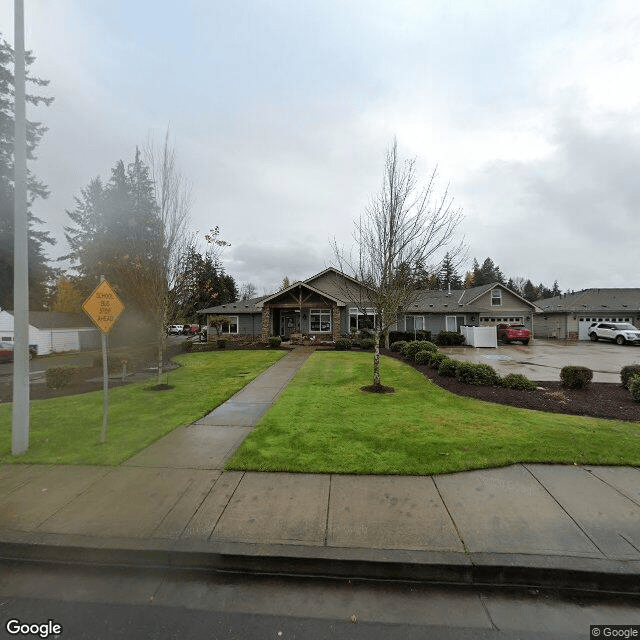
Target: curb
(473,569)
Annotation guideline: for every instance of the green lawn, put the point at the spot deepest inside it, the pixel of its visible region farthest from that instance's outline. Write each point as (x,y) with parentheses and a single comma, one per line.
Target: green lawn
(324,423)
(66,430)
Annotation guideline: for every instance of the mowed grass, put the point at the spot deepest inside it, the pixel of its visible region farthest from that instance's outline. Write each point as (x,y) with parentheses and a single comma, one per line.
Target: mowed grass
(323,423)
(66,430)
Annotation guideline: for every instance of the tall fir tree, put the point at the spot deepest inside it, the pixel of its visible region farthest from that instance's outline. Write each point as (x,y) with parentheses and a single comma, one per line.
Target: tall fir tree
(41,274)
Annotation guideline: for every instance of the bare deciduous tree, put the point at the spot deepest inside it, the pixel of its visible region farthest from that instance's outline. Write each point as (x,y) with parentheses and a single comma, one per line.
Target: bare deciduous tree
(406,224)
(173,198)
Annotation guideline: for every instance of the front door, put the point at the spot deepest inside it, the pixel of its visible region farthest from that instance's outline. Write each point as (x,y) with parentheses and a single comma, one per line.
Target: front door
(289,323)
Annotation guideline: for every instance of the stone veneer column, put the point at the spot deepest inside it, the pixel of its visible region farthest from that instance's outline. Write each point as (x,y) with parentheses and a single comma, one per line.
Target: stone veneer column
(335,321)
(266,323)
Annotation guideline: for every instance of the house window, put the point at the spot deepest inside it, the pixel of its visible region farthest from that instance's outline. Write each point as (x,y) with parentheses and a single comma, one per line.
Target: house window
(230,328)
(320,320)
(361,318)
(496,298)
(413,323)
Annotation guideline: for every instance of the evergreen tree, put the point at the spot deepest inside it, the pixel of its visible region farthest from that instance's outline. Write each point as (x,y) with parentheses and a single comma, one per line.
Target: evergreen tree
(67,297)
(116,232)
(40,272)
(529,291)
(448,277)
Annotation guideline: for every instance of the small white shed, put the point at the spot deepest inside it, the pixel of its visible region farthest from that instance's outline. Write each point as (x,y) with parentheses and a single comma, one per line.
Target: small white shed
(54,331)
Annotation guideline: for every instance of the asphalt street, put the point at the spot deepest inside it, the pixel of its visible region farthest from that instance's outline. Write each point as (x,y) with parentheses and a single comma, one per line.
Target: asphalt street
(94,603)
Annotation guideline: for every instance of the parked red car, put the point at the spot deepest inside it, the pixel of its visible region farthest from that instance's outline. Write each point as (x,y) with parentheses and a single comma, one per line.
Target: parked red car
(513,332)
(6,351)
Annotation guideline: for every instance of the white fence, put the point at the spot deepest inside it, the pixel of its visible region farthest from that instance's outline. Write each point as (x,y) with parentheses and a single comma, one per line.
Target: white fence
(480,336)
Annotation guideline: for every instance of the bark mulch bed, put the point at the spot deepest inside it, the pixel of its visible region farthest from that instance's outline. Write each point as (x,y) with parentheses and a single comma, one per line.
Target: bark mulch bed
(599,400)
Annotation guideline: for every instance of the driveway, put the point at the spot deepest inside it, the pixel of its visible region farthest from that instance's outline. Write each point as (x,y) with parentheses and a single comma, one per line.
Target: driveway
(543,359)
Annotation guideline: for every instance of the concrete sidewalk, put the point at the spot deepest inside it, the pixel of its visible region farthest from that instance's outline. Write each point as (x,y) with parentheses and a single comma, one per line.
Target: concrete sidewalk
(173,505)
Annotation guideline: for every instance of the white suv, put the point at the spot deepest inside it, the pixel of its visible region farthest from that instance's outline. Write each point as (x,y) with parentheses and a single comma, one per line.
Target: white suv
(175,329)
(618,332)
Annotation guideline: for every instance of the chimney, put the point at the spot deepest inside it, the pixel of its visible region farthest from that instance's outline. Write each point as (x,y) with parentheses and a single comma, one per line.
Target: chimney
(448,288)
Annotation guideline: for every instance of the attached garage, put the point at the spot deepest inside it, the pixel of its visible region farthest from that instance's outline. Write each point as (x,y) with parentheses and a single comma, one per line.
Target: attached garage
(54,332)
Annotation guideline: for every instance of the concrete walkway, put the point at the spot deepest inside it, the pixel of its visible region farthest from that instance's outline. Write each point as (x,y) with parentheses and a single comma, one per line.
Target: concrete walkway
(173,505)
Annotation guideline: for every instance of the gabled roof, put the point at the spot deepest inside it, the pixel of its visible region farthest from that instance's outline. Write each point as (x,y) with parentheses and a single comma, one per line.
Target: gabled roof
(461,300)
(58,320)
(239,306)
(296,285)
(595,300)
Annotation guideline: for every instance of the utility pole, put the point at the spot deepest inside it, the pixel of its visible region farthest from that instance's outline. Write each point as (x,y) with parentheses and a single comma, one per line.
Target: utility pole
(20,414)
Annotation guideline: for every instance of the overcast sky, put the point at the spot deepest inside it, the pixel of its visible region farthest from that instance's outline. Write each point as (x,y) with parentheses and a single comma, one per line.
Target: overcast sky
(282,112)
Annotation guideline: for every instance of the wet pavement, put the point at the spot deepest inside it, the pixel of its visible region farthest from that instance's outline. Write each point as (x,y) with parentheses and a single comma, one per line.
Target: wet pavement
(173,504)
(543,359)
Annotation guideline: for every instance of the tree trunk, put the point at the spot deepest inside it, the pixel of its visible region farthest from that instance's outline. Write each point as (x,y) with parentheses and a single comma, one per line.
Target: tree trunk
(386,339)
(376,359)
(160,358)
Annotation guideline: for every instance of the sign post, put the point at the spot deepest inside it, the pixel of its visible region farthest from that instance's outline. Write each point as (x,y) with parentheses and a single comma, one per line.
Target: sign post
(104,307)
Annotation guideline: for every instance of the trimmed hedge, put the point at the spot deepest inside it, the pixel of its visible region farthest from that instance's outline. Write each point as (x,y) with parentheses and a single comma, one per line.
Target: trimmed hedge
(575,377)
(408,336)
(59,377)
(343,344)
(436,359)
(423,357)
(187,346)
(518,381)
(449,339)
(634,388)
(367,344)
(448,368)
(628,372)
(479,374)
(398,346)
(411,348)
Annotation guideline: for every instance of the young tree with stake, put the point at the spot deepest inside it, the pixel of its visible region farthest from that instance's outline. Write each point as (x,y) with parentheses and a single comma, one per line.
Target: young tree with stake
(405,225)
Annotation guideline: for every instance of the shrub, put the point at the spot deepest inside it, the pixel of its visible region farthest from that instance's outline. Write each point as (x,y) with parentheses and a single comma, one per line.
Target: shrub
(275,342)
(408,336)
(448,368)
(449,339)
(436,358)
(222,344)
(423,357)
(574,377)
(411,348)
(187,346)
(634,388)
(367,344)
(59,377)
(398,346)
(479,374)
(343,344)
(628,372)
(518,381)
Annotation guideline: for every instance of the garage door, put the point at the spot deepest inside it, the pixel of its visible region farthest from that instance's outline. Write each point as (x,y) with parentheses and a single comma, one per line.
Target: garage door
(488,321)
(584,322)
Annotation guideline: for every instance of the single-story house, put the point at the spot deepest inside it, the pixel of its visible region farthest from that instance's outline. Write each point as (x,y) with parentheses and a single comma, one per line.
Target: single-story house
(54,331)
(331,304)
(569,316)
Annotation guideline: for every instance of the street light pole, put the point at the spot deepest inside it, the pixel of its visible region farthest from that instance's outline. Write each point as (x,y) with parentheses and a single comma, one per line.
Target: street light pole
(20,413)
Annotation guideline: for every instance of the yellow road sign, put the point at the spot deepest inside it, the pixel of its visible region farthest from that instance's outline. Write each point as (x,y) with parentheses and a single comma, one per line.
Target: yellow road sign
(103,306)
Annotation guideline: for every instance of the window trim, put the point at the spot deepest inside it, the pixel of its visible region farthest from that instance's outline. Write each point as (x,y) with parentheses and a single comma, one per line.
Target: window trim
(496,300)
(320,313)
(356,312)
(226,328)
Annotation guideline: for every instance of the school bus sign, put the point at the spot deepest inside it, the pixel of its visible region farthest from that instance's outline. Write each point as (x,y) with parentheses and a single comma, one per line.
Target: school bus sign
(103,306)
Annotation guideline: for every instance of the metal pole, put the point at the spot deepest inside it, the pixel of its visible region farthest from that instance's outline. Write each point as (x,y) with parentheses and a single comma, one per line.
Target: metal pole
(105,384)
(20,412)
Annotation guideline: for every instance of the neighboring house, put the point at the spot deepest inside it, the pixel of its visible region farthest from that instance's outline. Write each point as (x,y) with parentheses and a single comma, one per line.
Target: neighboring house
(331,304)
(54,331)
(569,316)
